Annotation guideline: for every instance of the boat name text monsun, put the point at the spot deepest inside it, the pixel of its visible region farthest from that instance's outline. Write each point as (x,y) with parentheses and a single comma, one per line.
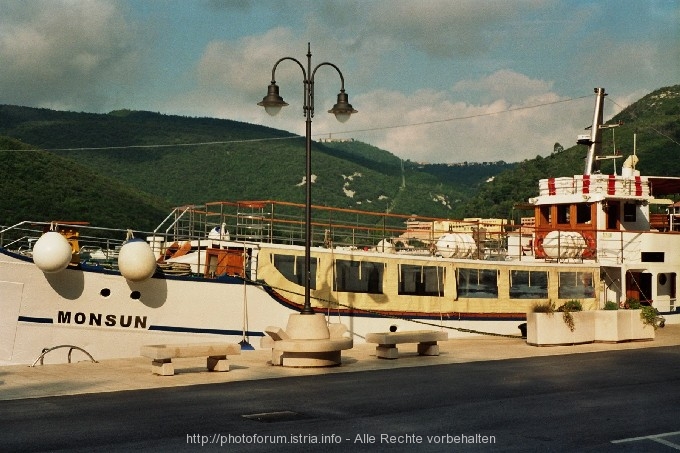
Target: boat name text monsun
(96,319)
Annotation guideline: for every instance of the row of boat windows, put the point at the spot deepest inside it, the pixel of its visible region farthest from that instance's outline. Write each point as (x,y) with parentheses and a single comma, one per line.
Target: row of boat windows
(582,213)
(416,280)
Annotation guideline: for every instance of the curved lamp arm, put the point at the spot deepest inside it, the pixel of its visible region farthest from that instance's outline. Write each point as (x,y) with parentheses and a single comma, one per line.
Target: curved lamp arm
(342,109)
(273,102)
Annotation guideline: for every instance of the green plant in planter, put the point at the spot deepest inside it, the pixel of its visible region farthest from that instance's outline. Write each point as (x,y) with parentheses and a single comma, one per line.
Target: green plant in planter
(566,309)
(632,303)
(609,305)
(544,307)
(649,316)
(572,305)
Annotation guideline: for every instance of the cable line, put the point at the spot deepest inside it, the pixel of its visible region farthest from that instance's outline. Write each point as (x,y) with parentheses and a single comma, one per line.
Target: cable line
(379,128)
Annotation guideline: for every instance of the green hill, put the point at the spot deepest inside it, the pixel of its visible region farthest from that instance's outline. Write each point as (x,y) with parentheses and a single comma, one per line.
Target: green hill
(39,186)
(210,159)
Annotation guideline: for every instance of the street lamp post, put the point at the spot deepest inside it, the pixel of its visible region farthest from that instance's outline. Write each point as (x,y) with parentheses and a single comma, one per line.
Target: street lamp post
(342,110)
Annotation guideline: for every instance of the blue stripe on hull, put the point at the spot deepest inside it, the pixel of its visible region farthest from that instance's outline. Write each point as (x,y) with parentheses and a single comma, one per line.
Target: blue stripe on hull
(199,330)
(32,320)
(36,320)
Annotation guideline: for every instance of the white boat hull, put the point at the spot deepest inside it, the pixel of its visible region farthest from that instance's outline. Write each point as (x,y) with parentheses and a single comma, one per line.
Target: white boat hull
(111,317)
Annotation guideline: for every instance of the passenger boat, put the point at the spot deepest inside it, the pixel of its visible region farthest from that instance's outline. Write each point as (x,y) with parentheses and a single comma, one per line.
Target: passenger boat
(228,270)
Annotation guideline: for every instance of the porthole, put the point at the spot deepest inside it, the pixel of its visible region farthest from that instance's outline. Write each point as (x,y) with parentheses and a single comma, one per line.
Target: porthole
(105,292)
(135,295)
(393,328)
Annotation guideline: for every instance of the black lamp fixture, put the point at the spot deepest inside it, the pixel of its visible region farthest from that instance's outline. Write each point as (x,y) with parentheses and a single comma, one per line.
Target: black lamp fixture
(342,109)
(272,103)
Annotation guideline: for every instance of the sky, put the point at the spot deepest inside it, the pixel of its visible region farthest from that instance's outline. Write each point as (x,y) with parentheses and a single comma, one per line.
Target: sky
(438,81)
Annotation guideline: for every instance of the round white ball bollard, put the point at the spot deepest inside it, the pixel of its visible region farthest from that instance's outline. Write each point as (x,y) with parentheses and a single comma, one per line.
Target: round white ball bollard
(52,252)
(136,260)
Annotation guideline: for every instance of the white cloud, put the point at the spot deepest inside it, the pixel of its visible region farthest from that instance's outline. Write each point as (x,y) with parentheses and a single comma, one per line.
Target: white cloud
(504,84)
(440,28)
(232,76)
(432,126)
(65,54)
(426,125)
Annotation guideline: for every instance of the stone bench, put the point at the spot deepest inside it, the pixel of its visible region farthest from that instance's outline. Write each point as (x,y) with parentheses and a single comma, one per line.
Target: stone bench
(387,342)
(162,355)
(302,352)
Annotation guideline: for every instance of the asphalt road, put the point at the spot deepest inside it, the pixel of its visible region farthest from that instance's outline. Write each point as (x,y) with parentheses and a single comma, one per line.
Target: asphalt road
(609,401)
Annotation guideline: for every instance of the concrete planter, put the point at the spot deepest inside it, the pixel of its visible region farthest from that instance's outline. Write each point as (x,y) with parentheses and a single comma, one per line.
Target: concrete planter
(546,329)
(614,326)
(607,326)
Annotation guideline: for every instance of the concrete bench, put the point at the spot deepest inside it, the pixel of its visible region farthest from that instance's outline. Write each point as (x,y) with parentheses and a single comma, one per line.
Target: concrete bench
(294,352)
(387,342)
(162,355)
(302,353)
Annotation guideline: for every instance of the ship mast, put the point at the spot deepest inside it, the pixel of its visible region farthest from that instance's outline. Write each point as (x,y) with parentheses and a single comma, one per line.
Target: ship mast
(595,141)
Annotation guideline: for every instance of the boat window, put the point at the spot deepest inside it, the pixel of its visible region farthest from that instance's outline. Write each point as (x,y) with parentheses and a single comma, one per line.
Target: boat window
(477,283)
(544,216)
(652,257)
(563,215)
(575,285)
(293,268)
(421,280)
(629,212)
(583,213)
(612,208)
(528,284)
(358,276)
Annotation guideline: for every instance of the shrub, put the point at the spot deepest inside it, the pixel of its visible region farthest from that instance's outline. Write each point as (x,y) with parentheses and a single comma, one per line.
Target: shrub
(566,309)
(632,303)
(544,307)
(609,305)
(572,305)
(649,316)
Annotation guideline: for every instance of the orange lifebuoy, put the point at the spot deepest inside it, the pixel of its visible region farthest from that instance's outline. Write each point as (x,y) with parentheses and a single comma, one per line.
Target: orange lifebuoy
(591,245)
(538,246)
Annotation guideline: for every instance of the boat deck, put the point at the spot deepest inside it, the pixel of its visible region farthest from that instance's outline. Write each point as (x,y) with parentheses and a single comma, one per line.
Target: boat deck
(22,382)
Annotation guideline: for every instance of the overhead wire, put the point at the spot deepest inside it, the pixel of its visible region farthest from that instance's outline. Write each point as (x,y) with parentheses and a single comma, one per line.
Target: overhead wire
(467,117)
(647,126)
(292,137)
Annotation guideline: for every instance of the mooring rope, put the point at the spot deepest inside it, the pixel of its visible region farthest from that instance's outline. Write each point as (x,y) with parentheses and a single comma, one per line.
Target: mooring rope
(383,315)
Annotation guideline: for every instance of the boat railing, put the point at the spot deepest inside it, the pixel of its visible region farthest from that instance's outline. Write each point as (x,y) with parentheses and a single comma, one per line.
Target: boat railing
(89,243)
(20,240)
(282,222)
(18,235)
(221,225)
(179,215)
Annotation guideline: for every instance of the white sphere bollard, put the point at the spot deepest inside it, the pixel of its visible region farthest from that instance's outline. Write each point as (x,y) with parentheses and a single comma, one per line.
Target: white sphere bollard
(136,261)
(52,252)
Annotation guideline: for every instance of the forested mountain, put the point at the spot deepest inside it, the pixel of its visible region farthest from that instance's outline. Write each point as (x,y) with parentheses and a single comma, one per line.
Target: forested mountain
(40,186)
(209,159)
(127,167)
